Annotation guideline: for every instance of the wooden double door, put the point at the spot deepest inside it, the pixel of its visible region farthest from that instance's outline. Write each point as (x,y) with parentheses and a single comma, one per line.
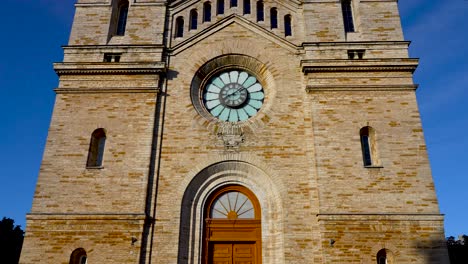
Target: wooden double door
(232,230)
(232,253)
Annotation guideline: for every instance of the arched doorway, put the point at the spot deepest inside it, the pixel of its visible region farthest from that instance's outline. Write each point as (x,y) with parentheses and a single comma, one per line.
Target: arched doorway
(232,228)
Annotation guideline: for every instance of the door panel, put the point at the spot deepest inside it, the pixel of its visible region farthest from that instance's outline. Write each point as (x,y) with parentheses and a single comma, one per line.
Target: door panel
(222,254)
(227,253)
(244,253)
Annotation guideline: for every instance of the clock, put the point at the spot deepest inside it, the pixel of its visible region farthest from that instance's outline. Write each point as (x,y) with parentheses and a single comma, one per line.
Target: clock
(233,96)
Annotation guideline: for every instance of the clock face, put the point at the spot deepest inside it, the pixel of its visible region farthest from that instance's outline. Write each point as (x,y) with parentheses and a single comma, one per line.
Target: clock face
(233,96)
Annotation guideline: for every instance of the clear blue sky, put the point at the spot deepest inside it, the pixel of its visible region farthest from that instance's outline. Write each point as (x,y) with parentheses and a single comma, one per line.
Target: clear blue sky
(34,30)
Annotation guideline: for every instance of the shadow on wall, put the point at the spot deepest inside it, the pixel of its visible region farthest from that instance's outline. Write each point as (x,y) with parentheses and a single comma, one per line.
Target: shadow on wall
(433,251)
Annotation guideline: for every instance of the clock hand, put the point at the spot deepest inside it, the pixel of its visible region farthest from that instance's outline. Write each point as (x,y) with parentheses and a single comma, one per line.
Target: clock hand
(238,90)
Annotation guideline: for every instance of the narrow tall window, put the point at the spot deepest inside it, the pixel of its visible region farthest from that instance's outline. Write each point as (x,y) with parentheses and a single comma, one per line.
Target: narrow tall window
(193,19)
(347,15)
(260,13)
(220,7)
(368,145)
(287,25)
(246,7)
(207,12)
(233,3)
(122,20)
(78,256)
(273,18)
(179,28)
(384,257)
(96,148)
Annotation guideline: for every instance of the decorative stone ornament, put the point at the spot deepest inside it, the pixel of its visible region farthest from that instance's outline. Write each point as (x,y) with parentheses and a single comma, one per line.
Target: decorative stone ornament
(232,135)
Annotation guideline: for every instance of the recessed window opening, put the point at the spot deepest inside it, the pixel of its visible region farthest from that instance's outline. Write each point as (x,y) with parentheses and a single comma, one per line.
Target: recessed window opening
(233,3)
(260,11)
(369,146)
(246,7)
(273,18)
(287,25)
(347,11)
(179,28)
(122,19)
(112,57)
(193,19)
(356,54)
(78,256)
(207,12)
(220,7)
(384,257)
(96,148)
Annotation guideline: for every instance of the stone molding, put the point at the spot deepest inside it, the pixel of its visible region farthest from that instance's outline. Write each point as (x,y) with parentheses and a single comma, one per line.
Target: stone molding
(364,65)
(109,68)
(319,88)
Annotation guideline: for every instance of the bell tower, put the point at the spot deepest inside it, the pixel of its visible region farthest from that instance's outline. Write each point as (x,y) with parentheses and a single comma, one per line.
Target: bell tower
(235,131)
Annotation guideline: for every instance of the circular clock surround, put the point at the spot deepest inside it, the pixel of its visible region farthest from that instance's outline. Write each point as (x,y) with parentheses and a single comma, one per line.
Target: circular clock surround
(240,97)
(233,95)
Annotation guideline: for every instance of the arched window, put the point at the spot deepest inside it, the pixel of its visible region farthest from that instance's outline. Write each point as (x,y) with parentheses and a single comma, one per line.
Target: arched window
(246,7)
(260,14)
(384,256)
(368,145)
(78,256)
(220,7)
(287,25)
(179,28)
(347,15)
(96,148)
(273,18)
(193,19)
(207,12)
(233,3)
(122,18)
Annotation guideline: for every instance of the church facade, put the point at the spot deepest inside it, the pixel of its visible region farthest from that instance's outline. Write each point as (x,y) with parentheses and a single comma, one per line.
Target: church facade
(235,131)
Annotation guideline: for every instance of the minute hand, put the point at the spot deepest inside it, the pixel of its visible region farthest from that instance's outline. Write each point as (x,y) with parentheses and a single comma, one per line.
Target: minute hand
(238,90)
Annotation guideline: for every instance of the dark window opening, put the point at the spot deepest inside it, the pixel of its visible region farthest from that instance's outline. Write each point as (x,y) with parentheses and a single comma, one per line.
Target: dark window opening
(78,256)
(122,20)
(260,12)
(96,148)
(246,7)
(193,19)
(356,54)
(347,15)
(366,145)
(382,257)
(112,57)
(233,3)
(287,25)
(273,18)
(179,27)
(220,7)
(207,12)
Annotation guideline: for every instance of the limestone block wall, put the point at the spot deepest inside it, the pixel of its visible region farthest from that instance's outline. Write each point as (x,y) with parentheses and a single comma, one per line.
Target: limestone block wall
(402,181)
(373,21)
(106,238)
(92,23)
(65,185)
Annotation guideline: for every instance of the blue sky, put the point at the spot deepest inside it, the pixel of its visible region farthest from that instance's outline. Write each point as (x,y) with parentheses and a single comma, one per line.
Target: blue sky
(34,30)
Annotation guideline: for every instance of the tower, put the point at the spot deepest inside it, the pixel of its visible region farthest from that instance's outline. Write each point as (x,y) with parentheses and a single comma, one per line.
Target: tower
(235,131)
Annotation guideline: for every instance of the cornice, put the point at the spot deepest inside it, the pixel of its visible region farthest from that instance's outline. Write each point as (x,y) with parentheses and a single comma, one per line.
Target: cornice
(71,68)
(364,65)
(106,90)
(392,87)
